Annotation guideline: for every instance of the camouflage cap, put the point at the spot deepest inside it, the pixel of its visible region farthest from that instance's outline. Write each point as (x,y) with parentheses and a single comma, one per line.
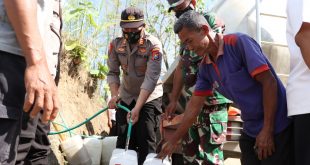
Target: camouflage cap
(132,17)
(174,3)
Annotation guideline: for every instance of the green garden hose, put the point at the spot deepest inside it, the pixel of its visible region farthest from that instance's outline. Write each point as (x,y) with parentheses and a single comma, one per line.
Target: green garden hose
(96,114)
(64,123)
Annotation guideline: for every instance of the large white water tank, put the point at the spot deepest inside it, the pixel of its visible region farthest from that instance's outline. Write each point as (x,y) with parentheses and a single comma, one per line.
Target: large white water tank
(240,16)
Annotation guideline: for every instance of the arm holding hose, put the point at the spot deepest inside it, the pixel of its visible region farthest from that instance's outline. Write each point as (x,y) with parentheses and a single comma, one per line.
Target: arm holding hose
(143,96)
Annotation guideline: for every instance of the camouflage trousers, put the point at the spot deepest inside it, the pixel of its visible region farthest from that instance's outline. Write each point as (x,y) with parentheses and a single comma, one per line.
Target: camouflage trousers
(204,141)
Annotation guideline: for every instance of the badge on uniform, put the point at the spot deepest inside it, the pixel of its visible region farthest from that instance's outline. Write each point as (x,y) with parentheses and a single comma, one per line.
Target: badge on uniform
(121,49)
(141,41)
(155,54)
(142,49)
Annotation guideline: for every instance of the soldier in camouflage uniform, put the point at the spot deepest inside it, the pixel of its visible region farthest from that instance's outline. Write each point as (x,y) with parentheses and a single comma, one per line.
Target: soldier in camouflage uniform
(209,131)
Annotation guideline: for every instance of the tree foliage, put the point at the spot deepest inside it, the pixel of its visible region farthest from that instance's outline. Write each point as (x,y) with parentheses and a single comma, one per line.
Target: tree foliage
(90,25)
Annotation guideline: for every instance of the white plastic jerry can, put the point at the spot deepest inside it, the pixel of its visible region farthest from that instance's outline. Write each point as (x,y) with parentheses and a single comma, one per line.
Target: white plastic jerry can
(75,151)
(93,146)
(151,160)
(122,157)
(108,145)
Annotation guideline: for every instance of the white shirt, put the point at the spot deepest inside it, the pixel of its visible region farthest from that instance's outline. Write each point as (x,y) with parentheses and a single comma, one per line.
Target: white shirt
(112,114)
(8,40)
(112,111)
(298,86)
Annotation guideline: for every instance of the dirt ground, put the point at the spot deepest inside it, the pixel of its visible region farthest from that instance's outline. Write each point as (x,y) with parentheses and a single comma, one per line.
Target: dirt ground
(78,102)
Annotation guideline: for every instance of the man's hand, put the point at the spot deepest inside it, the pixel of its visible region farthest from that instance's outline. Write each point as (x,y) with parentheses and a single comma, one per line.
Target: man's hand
(112,103)
(41,92)
(167,149)
(170,110)
(134,115)
(264,144)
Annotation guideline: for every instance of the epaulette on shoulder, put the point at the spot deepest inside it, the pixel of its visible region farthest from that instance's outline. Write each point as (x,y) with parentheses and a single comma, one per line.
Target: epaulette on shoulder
(118,40)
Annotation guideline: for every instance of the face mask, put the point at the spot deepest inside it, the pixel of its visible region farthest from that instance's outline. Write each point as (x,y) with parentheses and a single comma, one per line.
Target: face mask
(179,13)
(132,37)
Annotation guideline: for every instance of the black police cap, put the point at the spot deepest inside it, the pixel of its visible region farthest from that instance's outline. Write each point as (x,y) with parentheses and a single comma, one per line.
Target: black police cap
(132,17)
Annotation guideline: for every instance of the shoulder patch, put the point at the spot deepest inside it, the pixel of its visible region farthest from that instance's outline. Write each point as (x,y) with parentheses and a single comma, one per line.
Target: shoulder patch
(155,54)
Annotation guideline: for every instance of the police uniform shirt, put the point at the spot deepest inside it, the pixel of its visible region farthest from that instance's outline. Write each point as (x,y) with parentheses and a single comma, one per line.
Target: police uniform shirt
(141,67)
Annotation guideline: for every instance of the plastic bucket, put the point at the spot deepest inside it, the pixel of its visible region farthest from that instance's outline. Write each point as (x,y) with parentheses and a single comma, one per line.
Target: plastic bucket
(108,145)
(93,146)
(122,157)
(151,160)
(75,151)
